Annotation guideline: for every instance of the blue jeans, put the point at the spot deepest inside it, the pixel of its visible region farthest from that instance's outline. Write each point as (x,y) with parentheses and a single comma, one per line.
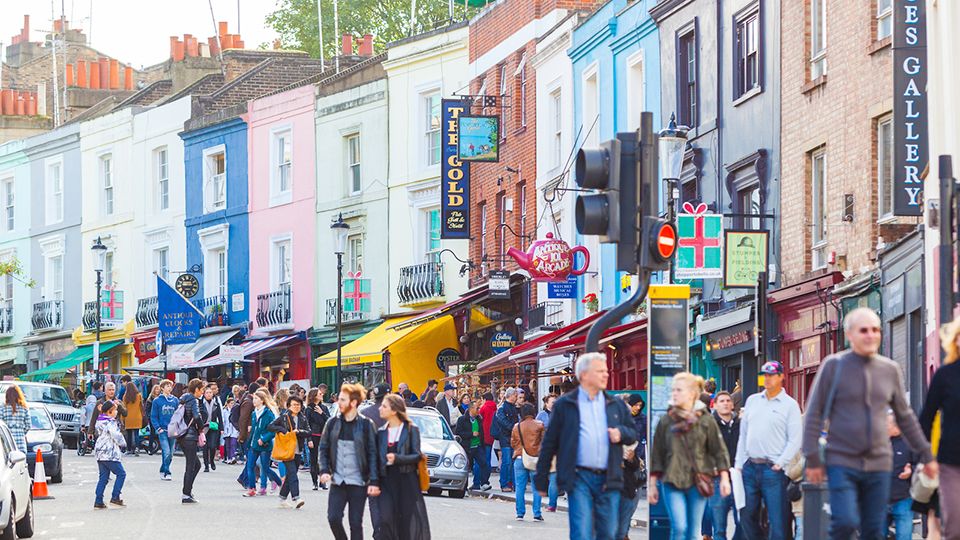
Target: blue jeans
(902,518)
(718,507)
(166,449)
(506,467)
(261,457)
(592,510)
(480,466)
(553,492)
(627,508)
(524,477)
(856,502)
(107,467)
(685,510)
(761,481)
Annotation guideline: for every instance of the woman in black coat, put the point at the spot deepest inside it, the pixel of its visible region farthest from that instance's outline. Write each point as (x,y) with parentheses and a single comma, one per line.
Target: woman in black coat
(317,416)
(403,515)
(211,418)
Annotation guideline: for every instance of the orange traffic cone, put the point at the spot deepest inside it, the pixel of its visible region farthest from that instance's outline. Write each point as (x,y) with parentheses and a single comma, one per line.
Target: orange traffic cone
(40,479)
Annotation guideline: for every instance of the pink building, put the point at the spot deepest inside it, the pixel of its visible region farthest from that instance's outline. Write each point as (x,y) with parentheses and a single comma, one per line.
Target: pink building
(283,229)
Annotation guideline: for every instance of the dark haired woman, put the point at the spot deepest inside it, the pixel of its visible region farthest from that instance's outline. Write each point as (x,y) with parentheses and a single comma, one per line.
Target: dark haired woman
(211,419)
(317,416)
(190,440)
(292,420)
(133,421)
(403,515)
(14,414)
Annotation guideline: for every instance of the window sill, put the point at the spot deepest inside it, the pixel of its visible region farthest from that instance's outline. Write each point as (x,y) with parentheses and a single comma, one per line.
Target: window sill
(879,45)
(281,199)
(746,96)
(812,85)
(888,220)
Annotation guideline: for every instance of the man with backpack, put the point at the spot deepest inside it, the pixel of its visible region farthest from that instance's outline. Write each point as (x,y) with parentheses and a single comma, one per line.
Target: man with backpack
(501,429)
(162,410)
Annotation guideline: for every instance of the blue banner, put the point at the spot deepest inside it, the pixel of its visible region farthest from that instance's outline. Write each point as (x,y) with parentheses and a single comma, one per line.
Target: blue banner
(454,174)
(178,319)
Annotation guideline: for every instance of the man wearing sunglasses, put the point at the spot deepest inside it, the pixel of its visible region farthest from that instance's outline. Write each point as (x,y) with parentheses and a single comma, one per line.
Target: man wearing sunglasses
(845,439)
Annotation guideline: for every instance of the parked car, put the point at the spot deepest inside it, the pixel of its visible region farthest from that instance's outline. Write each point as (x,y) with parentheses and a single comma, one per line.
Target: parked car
(446,459)
(56,399)
(16,493)
(44,436)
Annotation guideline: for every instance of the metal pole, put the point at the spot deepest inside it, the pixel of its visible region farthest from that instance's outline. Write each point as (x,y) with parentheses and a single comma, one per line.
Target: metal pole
(336,37)
(946,240)
(336,381)
(96,343)
(323,65)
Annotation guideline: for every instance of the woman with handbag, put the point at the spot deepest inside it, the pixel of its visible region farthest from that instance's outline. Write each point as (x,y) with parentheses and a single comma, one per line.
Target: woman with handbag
(403,514)
(261,444)
(211,418)
(688,452)
(291,429)
(525,441)
(192,438)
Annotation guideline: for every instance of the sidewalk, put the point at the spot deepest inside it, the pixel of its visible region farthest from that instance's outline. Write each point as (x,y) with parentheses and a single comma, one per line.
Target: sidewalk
(639,517)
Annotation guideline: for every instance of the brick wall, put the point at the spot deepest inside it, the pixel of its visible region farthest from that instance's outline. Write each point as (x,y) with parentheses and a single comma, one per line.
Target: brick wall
(838,113)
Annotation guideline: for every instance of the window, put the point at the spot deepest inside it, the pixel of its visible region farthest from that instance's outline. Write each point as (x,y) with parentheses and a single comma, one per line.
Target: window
(432,128)
(54,278)
(884,18)
(818,189)
(503,101)
(688,192)
(7,291)
(9,212)
(523,92)
(106,183)
(748,202)
(161,262)
(219,258)
(353,163)
(522,202)
(54,192)
(747,48)
(433,235)
(687,79)
(635,89)
(591,107)
(501,220)
(818,38)
(355,246)
(885,168)
(556,118)
(163,178)
(215,179)
(108,269)
(483,232)
(282,161)
(282,268)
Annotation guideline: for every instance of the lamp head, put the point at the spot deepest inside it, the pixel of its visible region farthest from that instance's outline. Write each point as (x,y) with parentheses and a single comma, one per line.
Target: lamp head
(672,145)
(99,254)
(340,229)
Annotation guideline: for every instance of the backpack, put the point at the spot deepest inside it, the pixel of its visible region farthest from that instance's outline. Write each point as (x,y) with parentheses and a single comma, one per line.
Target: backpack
(177,426)
(495,427)
(235,415)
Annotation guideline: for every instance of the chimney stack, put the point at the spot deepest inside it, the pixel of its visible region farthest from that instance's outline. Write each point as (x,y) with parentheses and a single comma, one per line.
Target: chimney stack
(25,31)
(114,74)
(94,75)
(127,78)
(366,45)
(69,74)
(347,45)
(104,65)
(82,73)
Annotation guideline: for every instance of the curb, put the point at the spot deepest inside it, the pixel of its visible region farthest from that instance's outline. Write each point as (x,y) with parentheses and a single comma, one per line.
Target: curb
(637,523)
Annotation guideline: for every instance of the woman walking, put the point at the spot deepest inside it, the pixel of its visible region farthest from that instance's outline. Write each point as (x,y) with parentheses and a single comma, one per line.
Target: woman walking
(14,414)
(133,421)
(403,514)
(211,418)
(688,452)
(261,444)
(317,416)
(292,420)
(553,492)
(525,441)
(147,411)
(191,438)
(230,433)
(109,449)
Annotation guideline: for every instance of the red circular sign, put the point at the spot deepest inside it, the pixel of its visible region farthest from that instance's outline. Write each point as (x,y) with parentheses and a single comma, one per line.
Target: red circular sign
(666,241)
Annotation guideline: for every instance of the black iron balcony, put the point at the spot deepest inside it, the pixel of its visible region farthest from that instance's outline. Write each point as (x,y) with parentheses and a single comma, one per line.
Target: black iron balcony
(348,316)
(421,283)
(545,316)
(6,321)
(146,311)
(215,310)
(47,315)
(275,309)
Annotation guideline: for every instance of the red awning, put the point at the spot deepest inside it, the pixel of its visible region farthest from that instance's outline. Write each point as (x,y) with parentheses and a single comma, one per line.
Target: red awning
(576,343)
(526,353)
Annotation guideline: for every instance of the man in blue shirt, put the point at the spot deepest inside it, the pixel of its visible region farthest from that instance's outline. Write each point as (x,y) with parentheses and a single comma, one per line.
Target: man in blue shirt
(160,413)
(587,432)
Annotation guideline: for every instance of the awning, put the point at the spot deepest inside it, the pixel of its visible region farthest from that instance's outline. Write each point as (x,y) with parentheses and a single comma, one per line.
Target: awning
(368,348)
(153,365)
(200,348)
(249,349)
(80,355)
(527,352)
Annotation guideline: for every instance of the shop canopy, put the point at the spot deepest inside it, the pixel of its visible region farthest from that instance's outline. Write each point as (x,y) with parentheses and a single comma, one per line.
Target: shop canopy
(250,347)
(80,355)
(528,352)
(200,348)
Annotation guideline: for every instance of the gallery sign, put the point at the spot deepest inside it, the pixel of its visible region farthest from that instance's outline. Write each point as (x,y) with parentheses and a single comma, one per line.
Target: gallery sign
(479,138)
(911,149)
(454,173)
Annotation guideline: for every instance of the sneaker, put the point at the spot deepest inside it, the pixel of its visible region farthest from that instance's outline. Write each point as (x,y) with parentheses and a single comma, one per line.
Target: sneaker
(551,509)
(316,487)
(117,502)
(188,500)
(486,487)
(250,493)
(285,504)
(324,487)
(519,518)
(262,492)
(538,519)
(298,504)
(273,486)
(206,469)
(99,506)
(167,477)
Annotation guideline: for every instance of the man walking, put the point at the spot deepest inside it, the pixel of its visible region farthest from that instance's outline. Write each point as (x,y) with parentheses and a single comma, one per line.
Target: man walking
(770,435)
(487,411)
(349,458)
(845,437)
(501,429)
(720,506)
(372,412)
(587,432)
(448,406)
(469,429)
(161,412)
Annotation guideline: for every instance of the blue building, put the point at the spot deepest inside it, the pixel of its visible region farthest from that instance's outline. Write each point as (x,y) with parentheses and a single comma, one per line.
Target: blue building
(616,76)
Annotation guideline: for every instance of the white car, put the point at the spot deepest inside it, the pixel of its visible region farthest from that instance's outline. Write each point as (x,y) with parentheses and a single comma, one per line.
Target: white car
(16,490)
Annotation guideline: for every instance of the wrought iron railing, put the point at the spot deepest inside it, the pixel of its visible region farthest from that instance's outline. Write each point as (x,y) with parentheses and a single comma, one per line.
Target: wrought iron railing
(545,315)
(215,310)
(275,308)
(47,315)
(348,316)
(147,311)
(420,282)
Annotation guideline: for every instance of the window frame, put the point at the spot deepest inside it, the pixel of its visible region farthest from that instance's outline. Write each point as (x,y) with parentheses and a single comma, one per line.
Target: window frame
(53,288)
(9,203)
(280,194)
(883,197)
(431,254)
(741,42)
(210,202)
(54,212)
(818,50)
(688,91)
(556,136)
(161,170)
(522,218)
(161,265)
(354,179)
(355,256)
(884,15)
(523,91)
(636,88)
(281,250)
(109,263)
(818,245)
(427,131)
(503,100)
(107,187)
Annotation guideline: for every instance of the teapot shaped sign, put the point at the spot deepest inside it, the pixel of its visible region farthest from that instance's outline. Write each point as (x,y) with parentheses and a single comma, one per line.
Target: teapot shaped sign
(550,259)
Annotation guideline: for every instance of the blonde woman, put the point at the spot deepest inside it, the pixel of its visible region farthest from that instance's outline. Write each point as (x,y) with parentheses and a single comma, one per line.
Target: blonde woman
(687,443)
(943,397)
(261,444)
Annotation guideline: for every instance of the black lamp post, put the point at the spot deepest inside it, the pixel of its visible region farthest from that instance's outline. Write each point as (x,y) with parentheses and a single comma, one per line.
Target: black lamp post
(99,254)
(340,230)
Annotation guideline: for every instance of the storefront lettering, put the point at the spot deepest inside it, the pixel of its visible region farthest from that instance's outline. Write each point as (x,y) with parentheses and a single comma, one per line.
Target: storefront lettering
(455,188)
(910,105)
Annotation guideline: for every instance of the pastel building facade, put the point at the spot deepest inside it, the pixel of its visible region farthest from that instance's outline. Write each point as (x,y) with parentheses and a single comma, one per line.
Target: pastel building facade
(15,301)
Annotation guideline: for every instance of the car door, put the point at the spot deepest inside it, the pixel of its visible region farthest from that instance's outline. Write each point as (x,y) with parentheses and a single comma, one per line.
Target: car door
(19,474)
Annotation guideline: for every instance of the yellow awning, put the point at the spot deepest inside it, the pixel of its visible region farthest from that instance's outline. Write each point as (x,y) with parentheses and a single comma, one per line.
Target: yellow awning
(367,348)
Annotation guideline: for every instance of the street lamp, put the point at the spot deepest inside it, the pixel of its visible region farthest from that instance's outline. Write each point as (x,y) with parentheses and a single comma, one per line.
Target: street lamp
(99,255)
(340,229)
(673,144)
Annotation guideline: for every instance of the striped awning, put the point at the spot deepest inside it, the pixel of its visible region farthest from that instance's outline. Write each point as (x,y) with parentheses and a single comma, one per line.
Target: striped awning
(250,348)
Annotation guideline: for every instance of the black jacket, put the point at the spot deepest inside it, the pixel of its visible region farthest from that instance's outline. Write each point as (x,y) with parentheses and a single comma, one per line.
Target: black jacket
(216,416)
(365,442)
(317,419)
(408,449)
(372,412)
(562,439)
(285,420)
(191,416)
(730,433)
(443,409)
(465,431)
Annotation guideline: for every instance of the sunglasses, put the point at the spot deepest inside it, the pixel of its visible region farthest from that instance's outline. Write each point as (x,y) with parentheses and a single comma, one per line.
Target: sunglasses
(869,330)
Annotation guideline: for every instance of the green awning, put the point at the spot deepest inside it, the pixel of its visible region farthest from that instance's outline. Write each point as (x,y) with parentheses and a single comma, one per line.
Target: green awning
(78,356)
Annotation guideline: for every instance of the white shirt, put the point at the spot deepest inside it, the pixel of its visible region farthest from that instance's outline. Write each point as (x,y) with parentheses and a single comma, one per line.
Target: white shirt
(393,433)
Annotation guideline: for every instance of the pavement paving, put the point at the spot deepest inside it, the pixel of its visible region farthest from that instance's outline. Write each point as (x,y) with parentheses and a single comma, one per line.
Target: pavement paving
(154,509)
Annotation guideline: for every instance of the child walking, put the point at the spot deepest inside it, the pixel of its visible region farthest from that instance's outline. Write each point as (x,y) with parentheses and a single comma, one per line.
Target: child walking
(230,434)
(108,449)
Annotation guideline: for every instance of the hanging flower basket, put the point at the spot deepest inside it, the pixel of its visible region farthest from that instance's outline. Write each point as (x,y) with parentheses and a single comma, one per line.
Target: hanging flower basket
(591,302)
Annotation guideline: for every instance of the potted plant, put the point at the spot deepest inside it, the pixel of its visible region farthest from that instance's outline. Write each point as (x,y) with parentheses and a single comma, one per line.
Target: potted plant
(217,312)
(591,302)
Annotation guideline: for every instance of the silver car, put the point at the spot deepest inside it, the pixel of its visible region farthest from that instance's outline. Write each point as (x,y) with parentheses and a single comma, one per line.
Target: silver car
(446,459)
(57,401)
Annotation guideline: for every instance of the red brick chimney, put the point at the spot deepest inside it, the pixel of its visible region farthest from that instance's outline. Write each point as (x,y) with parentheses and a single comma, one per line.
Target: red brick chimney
(25,31)
(366,45)
(347,45)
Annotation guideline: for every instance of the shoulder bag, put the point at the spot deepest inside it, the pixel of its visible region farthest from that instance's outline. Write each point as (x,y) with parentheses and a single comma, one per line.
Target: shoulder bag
(703,481)
(827,408)
(285,444)
(423,474)
(529,462)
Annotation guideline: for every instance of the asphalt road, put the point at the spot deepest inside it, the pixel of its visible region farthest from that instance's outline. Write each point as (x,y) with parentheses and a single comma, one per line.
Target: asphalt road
(154,510)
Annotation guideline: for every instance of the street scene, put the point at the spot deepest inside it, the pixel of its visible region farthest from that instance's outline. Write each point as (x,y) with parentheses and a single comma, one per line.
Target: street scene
(412,269)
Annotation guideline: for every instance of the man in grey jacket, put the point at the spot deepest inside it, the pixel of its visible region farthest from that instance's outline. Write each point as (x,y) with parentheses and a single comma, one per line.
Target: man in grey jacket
(857,454)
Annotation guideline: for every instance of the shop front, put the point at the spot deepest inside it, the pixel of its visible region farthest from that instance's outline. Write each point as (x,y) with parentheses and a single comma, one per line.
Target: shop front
(808,329)
(324,340)
(117,359)
(732,351)
(144,345)
(902,294)
(12,361)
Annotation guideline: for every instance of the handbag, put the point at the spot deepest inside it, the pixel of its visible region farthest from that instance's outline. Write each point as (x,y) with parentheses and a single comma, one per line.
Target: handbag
(422,473)
(285,444)
(703,481)
(922,487)
(529,462)
(827,408)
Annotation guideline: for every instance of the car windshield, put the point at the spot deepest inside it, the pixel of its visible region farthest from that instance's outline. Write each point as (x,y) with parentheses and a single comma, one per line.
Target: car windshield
(432,427)
(45,394)
(39,419)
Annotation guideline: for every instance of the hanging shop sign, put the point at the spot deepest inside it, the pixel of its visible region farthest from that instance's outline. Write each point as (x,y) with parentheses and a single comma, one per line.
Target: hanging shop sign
(700,244)
(479,138)
(498,284)
(178,319)
(911,149)
(550,259)
(454,173)
(502,341)
(178,359)
(745,255)
(356,293)
(447,358)
(188,285)
(111,308)
(667,340)
(231,353)
(565,290)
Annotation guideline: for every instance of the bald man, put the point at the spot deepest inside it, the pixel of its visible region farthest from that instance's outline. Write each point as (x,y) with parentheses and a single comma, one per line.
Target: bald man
(856,459)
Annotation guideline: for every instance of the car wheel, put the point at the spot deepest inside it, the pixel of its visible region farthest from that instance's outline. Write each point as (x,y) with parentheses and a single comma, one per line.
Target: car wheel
(8,531)
(57,477)
(25,525)
(435,492)
(457,493)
